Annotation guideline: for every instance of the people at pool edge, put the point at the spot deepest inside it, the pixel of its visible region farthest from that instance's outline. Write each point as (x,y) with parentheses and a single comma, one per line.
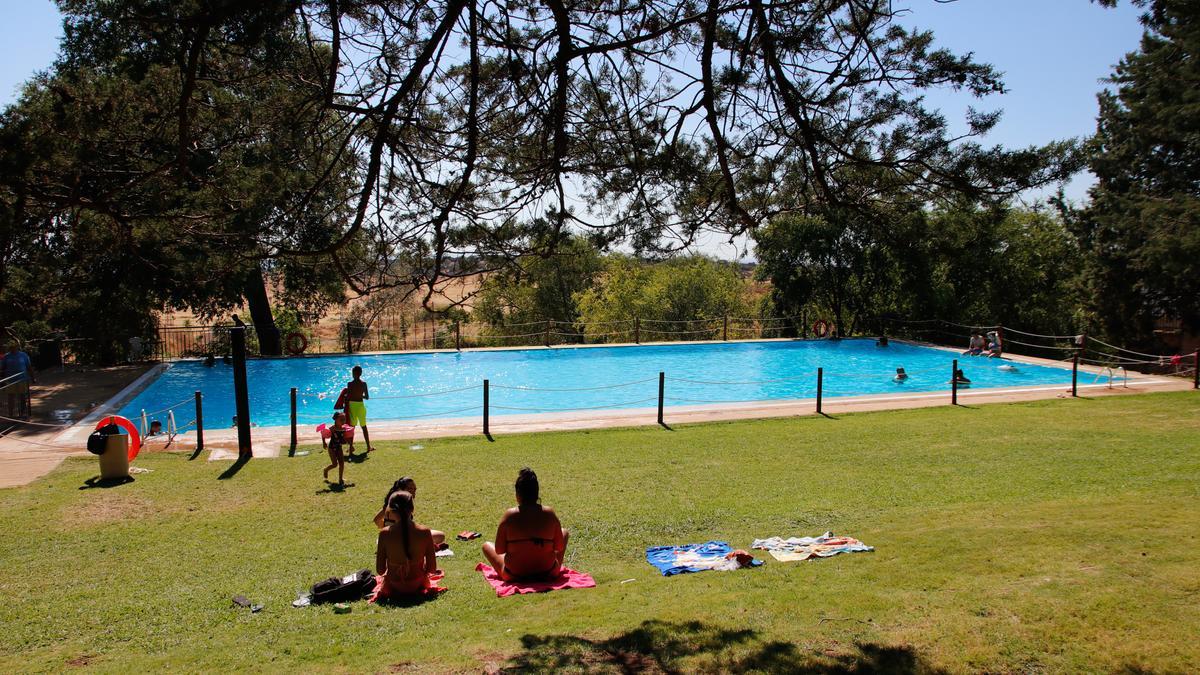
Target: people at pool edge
(900,375)
(405,554)
(337,437)
(155,428)
(882,341)
(356,405)
(994,348)
(405,484)
(975,347)
(530,541)
(17,364)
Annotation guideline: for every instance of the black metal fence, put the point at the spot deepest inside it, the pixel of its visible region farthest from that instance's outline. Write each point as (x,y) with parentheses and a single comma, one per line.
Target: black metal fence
(422,333)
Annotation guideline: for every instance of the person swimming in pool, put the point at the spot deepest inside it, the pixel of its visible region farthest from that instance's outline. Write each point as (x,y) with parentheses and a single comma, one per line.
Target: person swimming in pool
(384,517)
(356,405)
(900,375)
(530,541)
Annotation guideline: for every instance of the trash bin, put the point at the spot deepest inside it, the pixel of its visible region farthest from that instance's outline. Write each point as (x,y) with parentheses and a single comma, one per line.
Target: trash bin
(114,461)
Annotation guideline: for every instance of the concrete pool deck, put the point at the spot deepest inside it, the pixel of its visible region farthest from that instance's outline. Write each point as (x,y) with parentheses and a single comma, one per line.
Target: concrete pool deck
(33,461)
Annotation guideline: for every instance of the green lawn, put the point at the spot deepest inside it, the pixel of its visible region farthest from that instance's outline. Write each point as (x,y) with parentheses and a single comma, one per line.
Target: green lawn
(1051,536)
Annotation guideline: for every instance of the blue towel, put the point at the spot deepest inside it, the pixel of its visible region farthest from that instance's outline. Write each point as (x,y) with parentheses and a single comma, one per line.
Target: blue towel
(671,560)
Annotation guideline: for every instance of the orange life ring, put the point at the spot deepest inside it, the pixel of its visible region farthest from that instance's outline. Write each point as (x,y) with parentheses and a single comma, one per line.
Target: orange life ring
(135,439)
(295,343)
(820,328)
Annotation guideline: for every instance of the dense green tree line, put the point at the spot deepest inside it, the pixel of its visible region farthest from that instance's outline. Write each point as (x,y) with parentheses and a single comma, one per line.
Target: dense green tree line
(194,153)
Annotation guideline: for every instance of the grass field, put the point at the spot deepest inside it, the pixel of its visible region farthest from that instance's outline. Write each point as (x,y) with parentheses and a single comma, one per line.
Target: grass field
(1056,536)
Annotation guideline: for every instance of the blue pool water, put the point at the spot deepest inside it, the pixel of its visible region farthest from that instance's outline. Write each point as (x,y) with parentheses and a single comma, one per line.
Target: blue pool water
(544,380)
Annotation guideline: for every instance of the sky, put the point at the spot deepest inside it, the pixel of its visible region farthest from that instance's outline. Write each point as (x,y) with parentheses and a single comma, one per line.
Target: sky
(1053,53)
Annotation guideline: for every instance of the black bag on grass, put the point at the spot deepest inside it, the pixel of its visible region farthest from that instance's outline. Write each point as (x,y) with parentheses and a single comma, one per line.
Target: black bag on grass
(349,588)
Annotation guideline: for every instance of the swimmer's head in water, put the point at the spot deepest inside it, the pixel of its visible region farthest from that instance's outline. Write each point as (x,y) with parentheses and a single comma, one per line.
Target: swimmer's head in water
(356,371)
(527,486)
(400,502)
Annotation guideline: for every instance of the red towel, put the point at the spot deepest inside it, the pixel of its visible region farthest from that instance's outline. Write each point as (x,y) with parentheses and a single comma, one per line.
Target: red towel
(383,593)
(569,578)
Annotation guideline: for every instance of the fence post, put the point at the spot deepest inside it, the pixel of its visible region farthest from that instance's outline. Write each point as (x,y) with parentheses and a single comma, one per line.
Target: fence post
(820,386)
(199,424)
(486,431)
(803,325)
(293,397)
(1075,375)
(241,396)
(954,383)
(547,336)
(457,337)
(1196,368)
(725,329)
(637,330)
(661,381)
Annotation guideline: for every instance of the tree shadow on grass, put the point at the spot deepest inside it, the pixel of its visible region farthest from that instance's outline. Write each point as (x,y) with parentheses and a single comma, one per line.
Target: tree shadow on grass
(662,646)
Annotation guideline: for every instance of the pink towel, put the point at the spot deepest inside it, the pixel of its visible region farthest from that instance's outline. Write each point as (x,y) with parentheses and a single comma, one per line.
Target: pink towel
(569,579)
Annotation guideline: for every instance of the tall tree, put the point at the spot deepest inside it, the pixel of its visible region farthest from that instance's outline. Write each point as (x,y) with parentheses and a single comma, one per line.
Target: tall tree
(181,196)
(664,118)
(1141,231)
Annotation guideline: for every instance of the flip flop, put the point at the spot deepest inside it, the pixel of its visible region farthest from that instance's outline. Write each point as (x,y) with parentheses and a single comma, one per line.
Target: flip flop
(467,535)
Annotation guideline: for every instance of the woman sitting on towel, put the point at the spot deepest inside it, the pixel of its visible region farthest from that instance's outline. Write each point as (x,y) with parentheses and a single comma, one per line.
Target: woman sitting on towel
(408,485)
(530,542)
(404,556)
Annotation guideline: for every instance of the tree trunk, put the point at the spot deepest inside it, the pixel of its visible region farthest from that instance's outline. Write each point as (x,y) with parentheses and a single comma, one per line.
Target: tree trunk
(255,292)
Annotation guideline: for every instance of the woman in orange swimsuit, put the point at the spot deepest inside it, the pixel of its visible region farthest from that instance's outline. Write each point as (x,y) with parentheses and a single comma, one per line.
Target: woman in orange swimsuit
(404,556)
(530,541)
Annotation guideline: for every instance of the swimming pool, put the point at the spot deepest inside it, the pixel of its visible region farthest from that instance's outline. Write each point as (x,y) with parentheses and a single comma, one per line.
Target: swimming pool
(449,384)
(445,384)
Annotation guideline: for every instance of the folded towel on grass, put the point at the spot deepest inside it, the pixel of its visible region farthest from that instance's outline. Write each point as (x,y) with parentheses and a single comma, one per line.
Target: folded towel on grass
(569,578)
(711,555)
(804,548)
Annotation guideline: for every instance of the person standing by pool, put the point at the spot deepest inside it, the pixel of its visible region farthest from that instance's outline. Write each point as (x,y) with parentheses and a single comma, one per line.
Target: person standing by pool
(16,365)
(356,405)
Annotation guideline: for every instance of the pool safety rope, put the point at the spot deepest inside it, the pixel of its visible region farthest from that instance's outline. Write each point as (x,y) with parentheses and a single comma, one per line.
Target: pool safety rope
(596,407)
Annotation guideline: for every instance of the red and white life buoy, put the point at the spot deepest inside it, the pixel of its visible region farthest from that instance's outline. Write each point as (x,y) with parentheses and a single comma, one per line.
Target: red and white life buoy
(820,328)
(135,439)
(295,343)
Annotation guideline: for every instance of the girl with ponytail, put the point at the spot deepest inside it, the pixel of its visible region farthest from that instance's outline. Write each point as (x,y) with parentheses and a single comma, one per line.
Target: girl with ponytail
(405,553)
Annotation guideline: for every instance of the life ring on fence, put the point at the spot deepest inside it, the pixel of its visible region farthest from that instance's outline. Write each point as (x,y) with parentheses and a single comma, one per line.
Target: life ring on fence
(135,439)
(295,343)
(820,328)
